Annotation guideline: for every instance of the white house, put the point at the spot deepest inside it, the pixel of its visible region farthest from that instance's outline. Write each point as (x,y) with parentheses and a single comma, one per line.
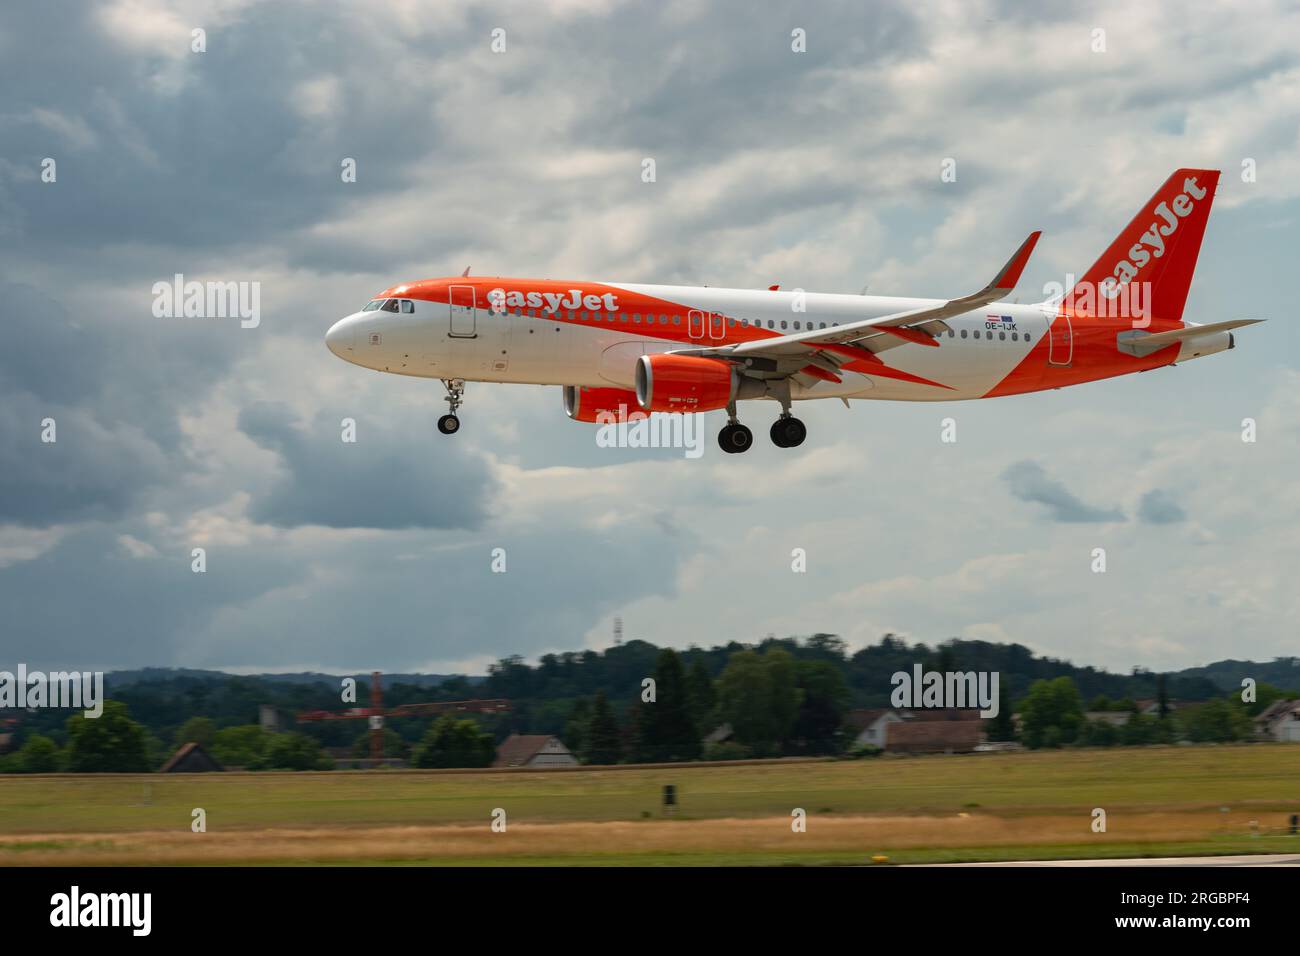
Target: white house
(534,750)
(1280,721)
(870,725)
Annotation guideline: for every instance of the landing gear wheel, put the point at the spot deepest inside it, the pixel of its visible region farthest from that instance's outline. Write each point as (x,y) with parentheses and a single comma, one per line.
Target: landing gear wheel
(735,438)
(788,432)
(449,424)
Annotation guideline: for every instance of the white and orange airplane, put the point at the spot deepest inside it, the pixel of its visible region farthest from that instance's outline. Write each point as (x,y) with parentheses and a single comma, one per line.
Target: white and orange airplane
(622,350)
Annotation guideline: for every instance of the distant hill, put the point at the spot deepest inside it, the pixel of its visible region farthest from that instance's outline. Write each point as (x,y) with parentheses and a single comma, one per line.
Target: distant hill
(126,678)
(1227,675)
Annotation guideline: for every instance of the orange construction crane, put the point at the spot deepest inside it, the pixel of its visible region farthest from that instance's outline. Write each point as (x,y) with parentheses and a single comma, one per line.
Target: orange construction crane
(376,713)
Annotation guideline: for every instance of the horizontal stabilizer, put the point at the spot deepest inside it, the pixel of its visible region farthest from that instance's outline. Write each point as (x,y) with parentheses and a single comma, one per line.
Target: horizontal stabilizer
(1141,344)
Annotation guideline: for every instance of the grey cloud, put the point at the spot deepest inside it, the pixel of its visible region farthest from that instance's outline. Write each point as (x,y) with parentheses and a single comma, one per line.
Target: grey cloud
(88,604)
(385,479)
(1028,481)
(115,390)
(1157,507)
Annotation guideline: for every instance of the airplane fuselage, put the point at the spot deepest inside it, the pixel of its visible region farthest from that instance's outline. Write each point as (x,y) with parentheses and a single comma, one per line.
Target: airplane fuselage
(485,329)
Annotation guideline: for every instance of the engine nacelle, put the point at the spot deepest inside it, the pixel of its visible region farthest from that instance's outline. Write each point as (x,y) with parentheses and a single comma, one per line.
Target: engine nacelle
(606,405)
(684,383)
(1205,345)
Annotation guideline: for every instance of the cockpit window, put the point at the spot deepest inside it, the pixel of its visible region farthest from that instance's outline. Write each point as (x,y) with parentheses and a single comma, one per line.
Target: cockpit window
(372,305)
(408,305)
(390,305)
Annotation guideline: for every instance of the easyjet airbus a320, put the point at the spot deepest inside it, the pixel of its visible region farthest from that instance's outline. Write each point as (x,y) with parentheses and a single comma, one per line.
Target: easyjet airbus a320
(622,350)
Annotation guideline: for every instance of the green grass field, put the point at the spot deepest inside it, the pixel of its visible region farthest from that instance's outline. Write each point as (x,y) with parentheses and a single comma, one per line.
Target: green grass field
(1159,801)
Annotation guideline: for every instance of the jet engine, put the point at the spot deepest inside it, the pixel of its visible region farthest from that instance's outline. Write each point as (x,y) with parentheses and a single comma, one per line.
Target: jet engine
(684,383)
(612,405)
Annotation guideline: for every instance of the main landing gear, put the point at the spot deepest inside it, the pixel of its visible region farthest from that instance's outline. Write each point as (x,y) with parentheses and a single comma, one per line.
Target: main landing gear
(449,424)
(734,437)
(788,432)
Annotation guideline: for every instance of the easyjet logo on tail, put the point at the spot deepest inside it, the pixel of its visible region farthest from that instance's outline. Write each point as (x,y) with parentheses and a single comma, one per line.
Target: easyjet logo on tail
(1151,244)
(553,301)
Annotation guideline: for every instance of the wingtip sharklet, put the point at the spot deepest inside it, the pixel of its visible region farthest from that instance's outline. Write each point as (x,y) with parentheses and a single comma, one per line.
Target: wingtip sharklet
(1006,279)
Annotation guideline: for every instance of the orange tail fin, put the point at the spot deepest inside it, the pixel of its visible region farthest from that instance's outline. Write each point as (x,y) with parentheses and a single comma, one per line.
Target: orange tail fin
(1150,263)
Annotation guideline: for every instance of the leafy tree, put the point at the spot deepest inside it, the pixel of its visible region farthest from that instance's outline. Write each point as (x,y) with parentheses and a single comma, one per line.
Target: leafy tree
(295,752)
(242,746)
(1217,720)
(667,731)
(744,693)
(455,743)
(578,725)
(200,730)
(1003,727)
(39,755)
(1265,696)
(1101,702)
(394,746)
(603,741)
(828,647)
(1140,729)
(109,743)
(1052,713)
(823,698)
(701,695)
(759,695)
(786,694)
(1099,733)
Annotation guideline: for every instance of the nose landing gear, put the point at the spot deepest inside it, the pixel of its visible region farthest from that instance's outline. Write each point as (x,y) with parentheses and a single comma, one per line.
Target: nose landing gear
(449,424)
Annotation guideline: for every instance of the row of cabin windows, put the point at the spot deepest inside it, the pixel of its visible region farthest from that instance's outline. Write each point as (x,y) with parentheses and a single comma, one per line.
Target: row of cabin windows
(407,306)
(1015,336)
(650,319)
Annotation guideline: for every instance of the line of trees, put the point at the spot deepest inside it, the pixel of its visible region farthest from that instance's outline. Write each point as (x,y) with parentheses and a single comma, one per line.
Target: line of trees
(1052,714)
(780,697)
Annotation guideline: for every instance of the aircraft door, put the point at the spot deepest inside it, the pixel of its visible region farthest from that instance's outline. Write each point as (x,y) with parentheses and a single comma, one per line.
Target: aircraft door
(1060,341)
(463,322)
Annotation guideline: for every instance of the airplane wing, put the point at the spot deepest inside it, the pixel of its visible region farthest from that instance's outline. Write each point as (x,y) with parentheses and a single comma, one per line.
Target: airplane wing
(1141,344)
(920,326)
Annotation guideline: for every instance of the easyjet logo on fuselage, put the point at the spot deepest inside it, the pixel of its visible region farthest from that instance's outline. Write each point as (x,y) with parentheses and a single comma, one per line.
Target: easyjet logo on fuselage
(1151,244)
(573,300)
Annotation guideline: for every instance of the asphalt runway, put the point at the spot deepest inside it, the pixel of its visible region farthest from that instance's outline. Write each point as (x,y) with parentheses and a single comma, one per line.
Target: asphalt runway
(1263,859)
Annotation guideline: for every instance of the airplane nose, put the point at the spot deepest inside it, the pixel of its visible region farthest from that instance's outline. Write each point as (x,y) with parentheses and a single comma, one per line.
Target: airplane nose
(339,337)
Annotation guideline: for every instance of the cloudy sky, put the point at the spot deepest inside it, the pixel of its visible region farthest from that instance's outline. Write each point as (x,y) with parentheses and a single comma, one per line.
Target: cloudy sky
(817,169)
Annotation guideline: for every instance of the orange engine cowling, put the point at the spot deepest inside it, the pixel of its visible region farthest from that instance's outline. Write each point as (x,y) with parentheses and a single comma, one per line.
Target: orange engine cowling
(684,383)
(613,405)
